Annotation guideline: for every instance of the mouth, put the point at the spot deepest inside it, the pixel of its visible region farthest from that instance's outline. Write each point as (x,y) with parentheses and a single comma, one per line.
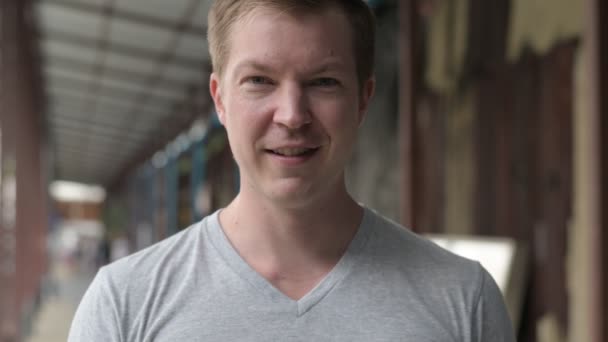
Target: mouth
(293,151)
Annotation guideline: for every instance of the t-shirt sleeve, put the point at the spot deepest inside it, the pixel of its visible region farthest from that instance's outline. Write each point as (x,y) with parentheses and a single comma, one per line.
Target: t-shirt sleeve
(491,321)
(96,318)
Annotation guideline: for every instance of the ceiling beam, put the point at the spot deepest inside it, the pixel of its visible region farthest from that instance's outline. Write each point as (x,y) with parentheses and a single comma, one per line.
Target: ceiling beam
(129,76)
(74,141)
(73,84)
(127,107)
(65,115)
(134,17)
(82,123)
(121,49)
(110,138)
(66,146)
(89,156)
(71,113)
(76,165)
(63,98)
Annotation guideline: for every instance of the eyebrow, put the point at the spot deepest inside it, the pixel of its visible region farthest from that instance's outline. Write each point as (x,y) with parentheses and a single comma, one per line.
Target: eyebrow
(265,68)
(253,64)
(331,64)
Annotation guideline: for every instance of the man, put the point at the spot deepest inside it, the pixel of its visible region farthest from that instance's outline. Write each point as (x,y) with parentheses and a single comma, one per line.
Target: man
(293,257)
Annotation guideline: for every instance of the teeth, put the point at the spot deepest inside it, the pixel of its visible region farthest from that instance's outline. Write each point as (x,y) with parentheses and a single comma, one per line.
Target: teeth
(291,151)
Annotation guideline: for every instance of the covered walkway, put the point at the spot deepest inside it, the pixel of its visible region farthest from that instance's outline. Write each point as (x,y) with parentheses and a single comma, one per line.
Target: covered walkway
(490,121)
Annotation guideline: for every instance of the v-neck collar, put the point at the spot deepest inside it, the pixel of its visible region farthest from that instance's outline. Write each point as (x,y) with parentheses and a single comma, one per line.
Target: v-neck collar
(243,269)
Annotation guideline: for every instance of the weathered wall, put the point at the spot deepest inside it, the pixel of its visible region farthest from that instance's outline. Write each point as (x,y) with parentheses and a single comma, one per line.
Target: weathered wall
(536,26)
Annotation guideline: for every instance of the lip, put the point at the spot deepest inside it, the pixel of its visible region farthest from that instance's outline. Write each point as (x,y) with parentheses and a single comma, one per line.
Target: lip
(291,161)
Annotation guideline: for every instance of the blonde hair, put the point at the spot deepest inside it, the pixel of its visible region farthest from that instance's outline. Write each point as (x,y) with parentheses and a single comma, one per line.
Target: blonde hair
(225,13)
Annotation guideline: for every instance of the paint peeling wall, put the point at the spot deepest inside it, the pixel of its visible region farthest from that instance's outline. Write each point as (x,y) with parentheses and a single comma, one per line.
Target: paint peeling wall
(541,24)
(535,26)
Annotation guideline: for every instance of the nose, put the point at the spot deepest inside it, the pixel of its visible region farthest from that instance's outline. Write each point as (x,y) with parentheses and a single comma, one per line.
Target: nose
(292,110)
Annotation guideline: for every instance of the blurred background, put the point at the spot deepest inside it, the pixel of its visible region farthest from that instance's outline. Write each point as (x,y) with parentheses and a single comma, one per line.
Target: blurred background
(488,132)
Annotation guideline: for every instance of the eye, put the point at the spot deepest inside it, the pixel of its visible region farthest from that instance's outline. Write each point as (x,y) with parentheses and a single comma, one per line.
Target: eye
(324,82)
(259,80)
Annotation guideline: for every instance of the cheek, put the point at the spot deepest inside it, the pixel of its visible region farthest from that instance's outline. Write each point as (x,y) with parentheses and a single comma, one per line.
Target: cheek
(245,123)
(339,117)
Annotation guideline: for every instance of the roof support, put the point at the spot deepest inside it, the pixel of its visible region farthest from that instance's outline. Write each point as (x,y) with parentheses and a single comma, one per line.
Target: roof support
(597,37)
(407,108)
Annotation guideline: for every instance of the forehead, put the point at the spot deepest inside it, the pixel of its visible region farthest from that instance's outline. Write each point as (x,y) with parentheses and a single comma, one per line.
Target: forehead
(274,36)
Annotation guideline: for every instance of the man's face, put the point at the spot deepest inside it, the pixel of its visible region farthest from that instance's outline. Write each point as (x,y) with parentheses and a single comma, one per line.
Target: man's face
(291,103)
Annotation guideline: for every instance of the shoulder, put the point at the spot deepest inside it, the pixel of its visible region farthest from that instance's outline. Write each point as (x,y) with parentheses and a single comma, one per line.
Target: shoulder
(167,253)
(158,268)
(120,298)
(396,244)
(421,267)
(458,292)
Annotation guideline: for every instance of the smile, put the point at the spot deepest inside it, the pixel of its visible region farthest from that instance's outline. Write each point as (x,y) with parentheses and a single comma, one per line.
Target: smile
(293,151)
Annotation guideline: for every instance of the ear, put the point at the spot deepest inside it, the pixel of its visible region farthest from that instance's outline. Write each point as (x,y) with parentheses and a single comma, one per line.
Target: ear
(216,94)
(365,97)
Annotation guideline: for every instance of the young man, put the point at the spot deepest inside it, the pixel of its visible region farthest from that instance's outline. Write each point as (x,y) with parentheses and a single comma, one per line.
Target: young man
(293,257)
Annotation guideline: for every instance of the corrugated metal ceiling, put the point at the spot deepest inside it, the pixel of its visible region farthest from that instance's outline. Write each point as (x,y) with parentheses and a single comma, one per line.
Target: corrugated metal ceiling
(121,78)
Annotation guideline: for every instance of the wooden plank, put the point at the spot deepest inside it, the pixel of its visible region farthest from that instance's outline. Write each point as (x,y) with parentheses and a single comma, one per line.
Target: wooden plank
(596,36)
(555,156)
(407,108)
(9,311)
(602,41)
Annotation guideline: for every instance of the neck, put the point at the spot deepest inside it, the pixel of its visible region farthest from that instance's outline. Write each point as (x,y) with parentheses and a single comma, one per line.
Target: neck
(291,242)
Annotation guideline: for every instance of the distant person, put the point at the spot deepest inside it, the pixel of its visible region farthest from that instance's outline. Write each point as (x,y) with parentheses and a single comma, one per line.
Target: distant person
(293,257)
(103,252)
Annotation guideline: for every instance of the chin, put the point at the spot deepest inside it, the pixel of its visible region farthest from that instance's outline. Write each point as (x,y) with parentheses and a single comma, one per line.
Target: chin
(292,194)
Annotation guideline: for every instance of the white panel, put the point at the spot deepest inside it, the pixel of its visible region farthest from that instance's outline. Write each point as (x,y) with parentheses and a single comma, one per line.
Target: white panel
(65,97)
(168,10)
(52,48)
(69,96)
(64,113)
(139,65)
(112,112)
(193,46)
(65,108)
(121,105)
(145,124)
(51,70)
(164,98)
(54,82)
(134,87)
(106,92)
(166,92)
(64,19)
(156,109)
(61,102)
(140,36)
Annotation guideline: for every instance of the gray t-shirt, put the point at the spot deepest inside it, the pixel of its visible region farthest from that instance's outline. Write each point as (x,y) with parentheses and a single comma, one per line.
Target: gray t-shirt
(390,285)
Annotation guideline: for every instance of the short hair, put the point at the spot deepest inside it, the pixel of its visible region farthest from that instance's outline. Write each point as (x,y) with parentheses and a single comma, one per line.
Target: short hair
(225,13)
